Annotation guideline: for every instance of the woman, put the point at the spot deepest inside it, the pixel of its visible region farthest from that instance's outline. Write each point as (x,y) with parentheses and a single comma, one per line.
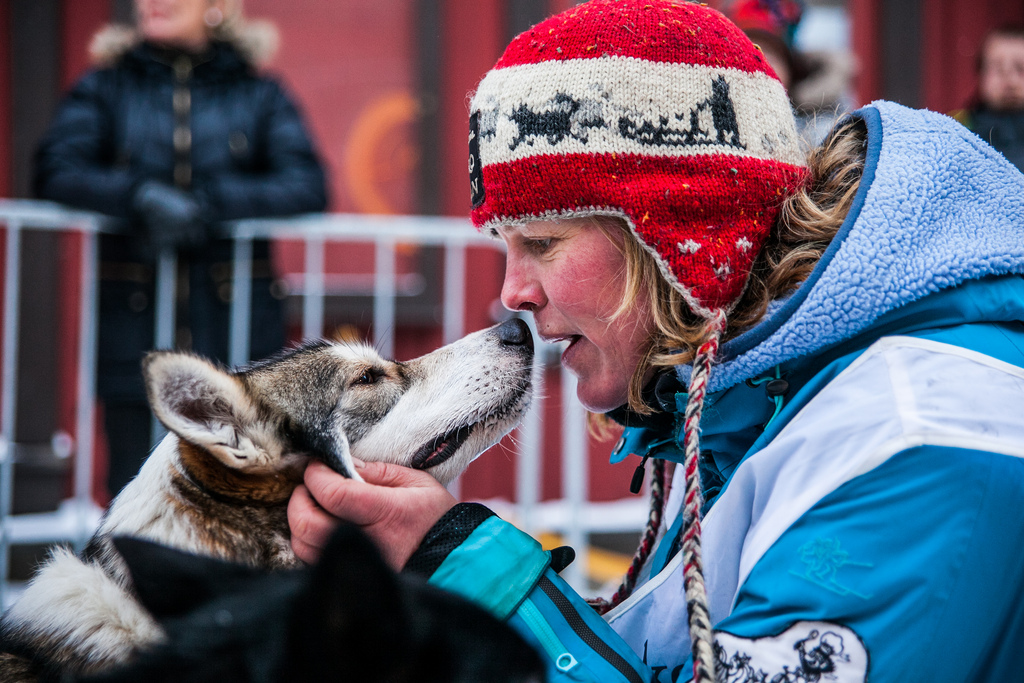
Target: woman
(850,510)
(175,131)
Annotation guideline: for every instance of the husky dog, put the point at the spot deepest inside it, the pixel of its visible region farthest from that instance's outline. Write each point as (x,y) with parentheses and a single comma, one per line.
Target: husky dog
(219,482)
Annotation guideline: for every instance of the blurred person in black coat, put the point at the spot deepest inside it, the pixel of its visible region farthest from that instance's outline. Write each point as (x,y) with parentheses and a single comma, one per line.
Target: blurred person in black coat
(997,113)
(174,131)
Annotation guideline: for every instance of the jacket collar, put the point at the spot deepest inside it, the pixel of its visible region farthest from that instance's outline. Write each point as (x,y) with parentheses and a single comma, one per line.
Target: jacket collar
(221,61)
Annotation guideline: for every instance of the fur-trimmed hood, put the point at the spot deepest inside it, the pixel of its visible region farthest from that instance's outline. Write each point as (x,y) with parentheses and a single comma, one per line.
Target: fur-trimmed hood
(255,42)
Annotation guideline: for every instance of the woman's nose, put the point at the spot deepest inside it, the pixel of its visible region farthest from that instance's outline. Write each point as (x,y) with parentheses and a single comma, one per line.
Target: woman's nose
(520,292)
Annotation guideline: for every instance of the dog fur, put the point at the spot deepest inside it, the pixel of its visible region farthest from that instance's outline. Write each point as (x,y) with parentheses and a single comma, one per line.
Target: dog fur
(219,482)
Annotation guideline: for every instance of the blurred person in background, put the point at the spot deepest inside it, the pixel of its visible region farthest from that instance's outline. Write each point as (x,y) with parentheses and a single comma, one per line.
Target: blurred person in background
(997,113)
(771,25)
(173,131)
(816,82)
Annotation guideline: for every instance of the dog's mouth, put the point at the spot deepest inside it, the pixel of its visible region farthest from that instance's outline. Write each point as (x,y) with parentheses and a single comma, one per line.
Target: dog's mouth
(437,450)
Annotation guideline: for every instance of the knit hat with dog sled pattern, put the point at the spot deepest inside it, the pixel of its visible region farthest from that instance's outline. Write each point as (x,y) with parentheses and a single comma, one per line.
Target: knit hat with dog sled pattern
(663,114)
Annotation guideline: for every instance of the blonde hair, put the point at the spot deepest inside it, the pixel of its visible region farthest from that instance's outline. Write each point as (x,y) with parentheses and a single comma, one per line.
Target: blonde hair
(807,222)
(256,40)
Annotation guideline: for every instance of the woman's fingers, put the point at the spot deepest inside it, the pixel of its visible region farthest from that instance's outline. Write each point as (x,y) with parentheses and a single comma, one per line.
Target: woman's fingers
(305,552)
(395,506)
(394,476)
(347,499)
(310,525)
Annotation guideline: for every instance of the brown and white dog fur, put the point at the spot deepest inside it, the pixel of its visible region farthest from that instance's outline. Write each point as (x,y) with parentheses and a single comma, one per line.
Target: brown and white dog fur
(219,482)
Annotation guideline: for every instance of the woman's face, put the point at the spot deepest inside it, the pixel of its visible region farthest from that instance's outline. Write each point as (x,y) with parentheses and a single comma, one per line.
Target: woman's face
(571,276)
(175,23)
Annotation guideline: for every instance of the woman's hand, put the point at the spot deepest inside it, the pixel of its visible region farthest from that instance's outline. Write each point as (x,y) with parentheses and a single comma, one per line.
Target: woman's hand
(396,506)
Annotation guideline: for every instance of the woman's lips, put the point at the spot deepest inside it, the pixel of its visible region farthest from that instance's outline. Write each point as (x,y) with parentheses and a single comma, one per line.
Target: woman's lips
(570,350)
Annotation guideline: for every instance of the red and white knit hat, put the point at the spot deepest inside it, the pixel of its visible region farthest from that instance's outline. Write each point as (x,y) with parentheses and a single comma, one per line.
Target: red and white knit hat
(665,114)
(660,112)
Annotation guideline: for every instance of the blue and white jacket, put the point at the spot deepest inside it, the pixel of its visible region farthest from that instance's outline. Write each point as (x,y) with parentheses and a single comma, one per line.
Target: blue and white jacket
(866,523)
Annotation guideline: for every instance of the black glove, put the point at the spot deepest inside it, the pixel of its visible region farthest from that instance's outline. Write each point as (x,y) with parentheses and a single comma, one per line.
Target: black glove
(173,218)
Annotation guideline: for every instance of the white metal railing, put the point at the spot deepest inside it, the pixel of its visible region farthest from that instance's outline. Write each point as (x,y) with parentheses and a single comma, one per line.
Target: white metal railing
(77,516)
(573,516)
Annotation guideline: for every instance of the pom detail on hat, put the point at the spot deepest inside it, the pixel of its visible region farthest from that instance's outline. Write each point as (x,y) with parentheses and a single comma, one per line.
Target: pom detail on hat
(662,113)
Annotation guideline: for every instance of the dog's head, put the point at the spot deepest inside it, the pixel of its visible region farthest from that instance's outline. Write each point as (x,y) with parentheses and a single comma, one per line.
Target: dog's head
(249,432)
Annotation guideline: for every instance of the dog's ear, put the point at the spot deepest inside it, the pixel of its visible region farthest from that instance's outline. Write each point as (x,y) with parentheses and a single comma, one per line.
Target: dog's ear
(203,404)
(170,582)
(330,444)
(352,604)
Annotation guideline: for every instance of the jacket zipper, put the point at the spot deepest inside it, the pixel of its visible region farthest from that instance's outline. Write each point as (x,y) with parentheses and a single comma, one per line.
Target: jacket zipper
(586,634)
(563,659)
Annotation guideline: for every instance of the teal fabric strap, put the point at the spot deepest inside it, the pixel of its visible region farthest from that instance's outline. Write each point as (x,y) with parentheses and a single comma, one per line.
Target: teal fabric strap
(661,556)
(634,441)
(496,567)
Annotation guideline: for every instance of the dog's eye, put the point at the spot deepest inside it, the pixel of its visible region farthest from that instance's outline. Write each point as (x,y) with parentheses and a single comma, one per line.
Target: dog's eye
(369,376)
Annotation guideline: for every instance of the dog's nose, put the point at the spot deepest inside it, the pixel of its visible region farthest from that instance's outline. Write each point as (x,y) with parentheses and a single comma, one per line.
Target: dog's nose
(514,332)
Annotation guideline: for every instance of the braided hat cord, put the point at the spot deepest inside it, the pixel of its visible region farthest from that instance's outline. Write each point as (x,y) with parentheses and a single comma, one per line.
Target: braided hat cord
(693,570)
(647,542)
(699,618)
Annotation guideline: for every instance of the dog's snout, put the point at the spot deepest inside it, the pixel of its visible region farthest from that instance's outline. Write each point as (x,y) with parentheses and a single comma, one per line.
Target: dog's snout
(515,332)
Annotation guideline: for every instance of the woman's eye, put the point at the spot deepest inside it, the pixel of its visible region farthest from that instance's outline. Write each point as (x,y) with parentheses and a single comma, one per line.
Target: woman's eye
(539,245)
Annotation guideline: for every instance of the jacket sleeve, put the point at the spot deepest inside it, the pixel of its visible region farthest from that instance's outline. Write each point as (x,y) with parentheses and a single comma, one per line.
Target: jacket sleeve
(74,162)
(476,554)
(289,181)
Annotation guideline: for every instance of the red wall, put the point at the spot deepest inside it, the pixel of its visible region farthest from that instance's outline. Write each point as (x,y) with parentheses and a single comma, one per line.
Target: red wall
(350,65)
(866,46)
(80,19)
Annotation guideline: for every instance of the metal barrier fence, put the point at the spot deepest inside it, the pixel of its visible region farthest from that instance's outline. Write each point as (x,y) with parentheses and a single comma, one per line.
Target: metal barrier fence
(573,515)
